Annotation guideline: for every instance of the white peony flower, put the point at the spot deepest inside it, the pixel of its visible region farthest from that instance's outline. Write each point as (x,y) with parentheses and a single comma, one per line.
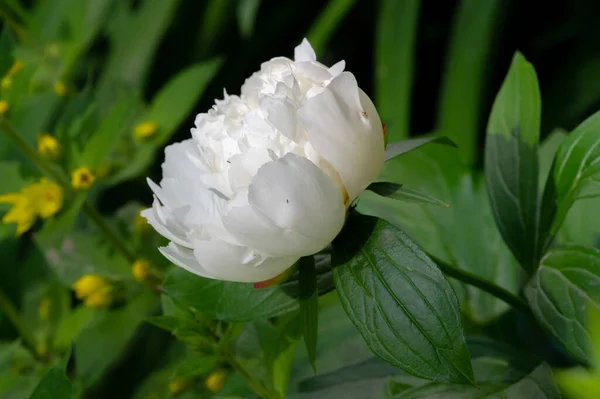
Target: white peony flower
(267,176)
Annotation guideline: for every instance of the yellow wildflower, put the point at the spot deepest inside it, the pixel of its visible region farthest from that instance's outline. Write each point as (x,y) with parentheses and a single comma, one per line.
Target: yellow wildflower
(95,291)
(60,88)
(48,146)
(45,307)
(88,284)
(145,130)
(179,384)
(141,269)
(6,83)
(22,213)
(216,380)
(4,107)
(16,67)
(82,178)
(43,199)
(100,298)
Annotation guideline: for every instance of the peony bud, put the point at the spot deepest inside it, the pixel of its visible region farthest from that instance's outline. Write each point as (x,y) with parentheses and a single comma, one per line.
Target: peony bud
(268,176)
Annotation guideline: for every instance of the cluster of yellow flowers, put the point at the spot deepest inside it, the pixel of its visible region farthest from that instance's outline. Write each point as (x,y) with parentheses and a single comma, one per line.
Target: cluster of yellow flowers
(43,199)
(95,291)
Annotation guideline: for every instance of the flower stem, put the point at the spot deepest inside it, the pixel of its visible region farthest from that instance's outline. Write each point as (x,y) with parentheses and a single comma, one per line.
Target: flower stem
(256,385)
(11,313)
(90,211)
(484,285)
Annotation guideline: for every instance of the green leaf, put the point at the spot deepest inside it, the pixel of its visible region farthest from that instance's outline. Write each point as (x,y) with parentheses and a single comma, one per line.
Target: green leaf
(491,374)
(573,175)
(447,233)
(70,326)
(135,36)
(106,138)
(104,340)
(309,306)
(511,160)
(246,14)
(195,366)
(400,302)
(167,323)
(171,105)
(562,292)
(55,384)
(465,72)
(404,146)
(231,301)
(394,52)
(327,22)
(402,193)
(280,355)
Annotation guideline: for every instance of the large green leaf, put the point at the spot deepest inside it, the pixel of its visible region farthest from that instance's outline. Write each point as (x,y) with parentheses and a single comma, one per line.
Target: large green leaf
(395,48)
(105,339)
(55,384)
(238,301)
(511,159)
(573,176)
(400,302)
(447,233)
(561,293)
(492,375)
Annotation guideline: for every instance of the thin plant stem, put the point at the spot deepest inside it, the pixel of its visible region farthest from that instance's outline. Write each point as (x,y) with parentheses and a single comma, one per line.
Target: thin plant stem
(256,385)
(472,279)
(11,313)
(90,211)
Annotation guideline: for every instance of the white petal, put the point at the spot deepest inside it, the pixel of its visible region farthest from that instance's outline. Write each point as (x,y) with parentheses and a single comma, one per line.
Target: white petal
(337,68)
(343,125)
(184,258)
(224,261)
(304,52)
(295,209)
(282,114)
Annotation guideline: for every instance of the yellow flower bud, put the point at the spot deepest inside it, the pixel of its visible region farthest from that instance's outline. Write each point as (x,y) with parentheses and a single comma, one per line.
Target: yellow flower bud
(47,197)
(179,384)
(23,212)
(4,107)
(6,83)
(100,298)
(88,284)
(140,224)
(216,380)
(82,178)
(45,307)
(141,270)
(60,88)
(16,67)
(145,130)
(48,146)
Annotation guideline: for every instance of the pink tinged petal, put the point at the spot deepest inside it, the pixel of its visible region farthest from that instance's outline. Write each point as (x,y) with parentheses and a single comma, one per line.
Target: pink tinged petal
(229,262)
(304,52)
(294,209)
(343,126)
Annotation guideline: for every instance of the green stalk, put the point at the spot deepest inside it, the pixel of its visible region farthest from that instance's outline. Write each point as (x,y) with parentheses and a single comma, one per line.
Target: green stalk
(472,279)
(111,235)
(327,22)
(256,385)
(11,313)
(460,101)
(394,62)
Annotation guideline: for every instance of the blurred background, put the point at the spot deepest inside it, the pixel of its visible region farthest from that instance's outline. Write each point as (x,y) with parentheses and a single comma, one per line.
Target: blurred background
(430,66)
